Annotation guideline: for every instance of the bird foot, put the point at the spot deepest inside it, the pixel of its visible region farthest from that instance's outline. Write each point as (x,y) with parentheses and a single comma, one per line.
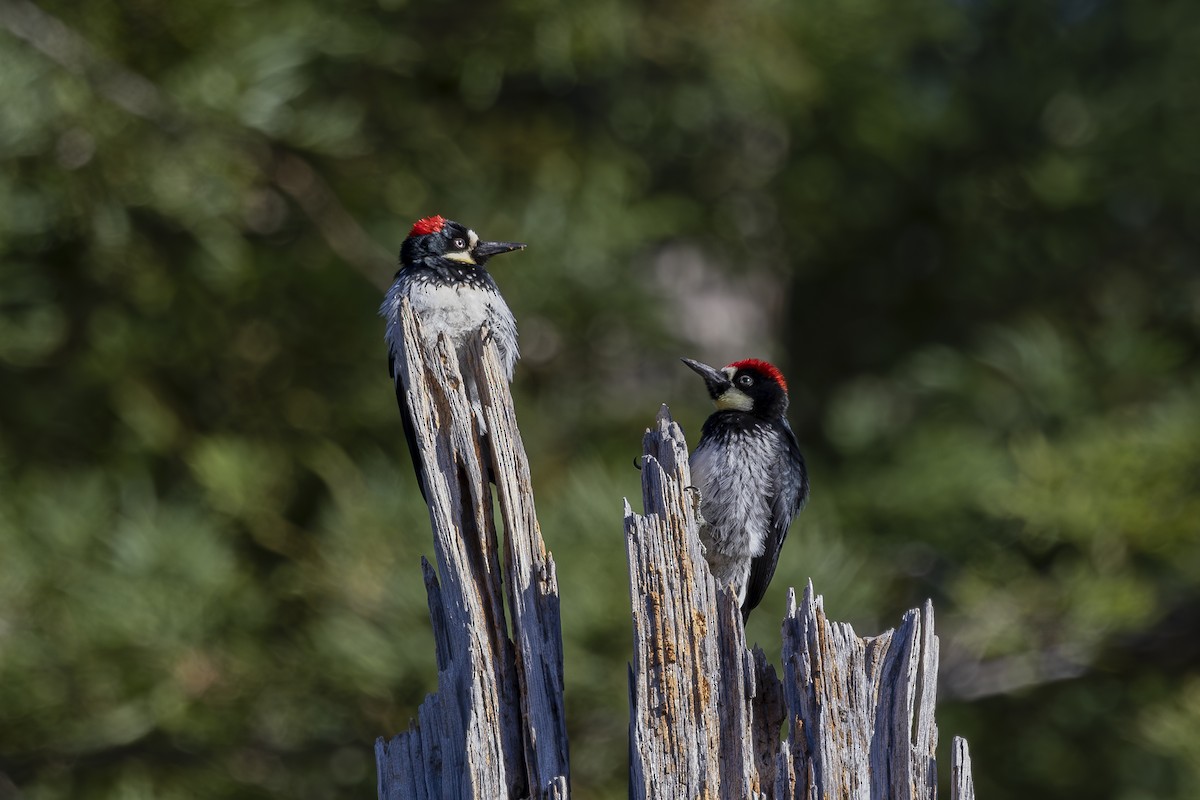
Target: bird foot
(693,493)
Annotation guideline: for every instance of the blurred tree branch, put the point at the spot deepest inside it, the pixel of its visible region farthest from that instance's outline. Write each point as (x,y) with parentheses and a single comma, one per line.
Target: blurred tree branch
(71,50)
(140,96)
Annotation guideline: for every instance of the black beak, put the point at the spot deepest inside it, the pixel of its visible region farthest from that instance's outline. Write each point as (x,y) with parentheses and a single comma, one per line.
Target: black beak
(485,250)
(716,381)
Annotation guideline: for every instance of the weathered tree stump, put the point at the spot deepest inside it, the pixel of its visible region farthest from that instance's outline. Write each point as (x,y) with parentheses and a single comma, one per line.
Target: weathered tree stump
(496,727)
(705,713)
(852,717)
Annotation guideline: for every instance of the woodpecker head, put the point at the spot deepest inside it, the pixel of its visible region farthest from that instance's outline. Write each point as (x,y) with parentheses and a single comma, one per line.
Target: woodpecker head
(443,244)
(752,386)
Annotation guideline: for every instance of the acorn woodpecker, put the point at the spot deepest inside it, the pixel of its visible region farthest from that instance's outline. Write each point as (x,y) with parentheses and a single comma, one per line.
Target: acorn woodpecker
(750,473)
(442,274)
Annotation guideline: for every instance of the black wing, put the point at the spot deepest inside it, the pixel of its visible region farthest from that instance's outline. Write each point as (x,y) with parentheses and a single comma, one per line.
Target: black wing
(410,432)
(789,499)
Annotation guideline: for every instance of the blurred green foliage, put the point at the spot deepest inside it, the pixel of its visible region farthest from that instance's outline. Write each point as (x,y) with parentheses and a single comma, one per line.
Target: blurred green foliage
(966,230)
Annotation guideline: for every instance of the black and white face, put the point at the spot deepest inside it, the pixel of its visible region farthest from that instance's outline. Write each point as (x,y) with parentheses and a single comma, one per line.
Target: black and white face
(738,396)
(751,386)
(436,240)
(457,243)
(463,246)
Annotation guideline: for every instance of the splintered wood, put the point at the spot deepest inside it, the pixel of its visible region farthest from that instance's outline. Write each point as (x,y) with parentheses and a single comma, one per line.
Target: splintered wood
(496,727)
(692,682)
(851,719)
(706,714)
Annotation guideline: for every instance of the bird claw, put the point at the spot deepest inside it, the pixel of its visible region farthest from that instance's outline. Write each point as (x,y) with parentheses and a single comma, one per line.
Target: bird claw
(694,493)
(636,464)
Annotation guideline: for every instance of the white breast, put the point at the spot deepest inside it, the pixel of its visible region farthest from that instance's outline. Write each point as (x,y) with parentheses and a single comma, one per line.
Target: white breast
(735,508)
(453,310)
(458,311)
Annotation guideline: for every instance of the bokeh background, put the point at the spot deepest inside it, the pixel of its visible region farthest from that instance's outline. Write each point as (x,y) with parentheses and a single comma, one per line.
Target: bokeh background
(967,230)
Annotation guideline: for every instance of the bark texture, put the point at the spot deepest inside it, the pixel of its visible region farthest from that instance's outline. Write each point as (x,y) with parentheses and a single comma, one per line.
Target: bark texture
(695,729)
(706,713)
(962,785)
(496,727)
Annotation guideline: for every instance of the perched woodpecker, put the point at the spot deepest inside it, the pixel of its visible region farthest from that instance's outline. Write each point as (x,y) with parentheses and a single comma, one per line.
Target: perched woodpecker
(750,473)
(442,274)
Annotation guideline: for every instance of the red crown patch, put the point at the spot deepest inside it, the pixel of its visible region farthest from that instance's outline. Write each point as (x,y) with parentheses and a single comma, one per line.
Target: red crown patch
(428,225)
(768,369)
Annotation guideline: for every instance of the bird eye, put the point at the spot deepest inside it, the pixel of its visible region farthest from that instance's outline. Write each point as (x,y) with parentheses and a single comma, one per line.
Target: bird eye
(746,380)
(459,244)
